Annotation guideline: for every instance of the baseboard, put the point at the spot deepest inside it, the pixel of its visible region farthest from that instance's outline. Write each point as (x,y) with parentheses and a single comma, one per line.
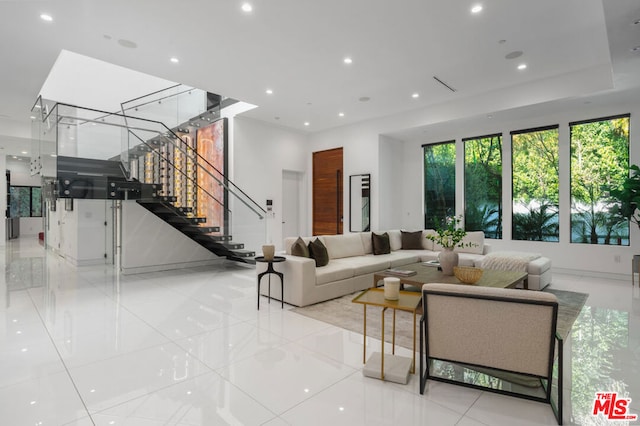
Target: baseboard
(593,274)
(170,266)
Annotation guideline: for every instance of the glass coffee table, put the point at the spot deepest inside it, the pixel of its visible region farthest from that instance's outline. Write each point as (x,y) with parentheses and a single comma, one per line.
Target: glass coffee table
(430,274)
(397,368)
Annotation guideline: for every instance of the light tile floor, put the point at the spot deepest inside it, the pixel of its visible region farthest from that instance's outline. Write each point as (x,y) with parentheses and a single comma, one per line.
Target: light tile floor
(88,346)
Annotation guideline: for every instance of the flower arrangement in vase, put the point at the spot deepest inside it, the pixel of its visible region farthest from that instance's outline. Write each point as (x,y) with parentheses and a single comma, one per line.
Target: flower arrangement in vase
(449,238)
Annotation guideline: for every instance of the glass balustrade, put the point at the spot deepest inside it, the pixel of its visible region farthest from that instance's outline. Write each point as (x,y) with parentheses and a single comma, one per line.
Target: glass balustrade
(186,161)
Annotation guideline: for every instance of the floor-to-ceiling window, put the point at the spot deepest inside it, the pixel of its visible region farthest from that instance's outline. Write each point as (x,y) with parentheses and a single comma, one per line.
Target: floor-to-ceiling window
(483,185)
(599,163)
(439,183)
(535,176)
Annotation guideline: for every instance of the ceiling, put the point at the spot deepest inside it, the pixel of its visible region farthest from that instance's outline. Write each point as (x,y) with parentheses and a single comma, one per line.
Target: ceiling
(296,48)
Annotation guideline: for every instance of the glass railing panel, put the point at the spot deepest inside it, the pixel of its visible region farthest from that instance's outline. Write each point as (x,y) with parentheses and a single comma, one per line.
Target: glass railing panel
(173,106)
(43,138)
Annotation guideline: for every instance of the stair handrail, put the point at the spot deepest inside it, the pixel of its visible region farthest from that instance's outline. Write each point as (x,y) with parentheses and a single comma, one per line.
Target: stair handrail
(255,207)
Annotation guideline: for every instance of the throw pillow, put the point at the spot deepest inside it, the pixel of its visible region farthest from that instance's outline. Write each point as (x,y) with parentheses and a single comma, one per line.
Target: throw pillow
(318,252)
(411,240)
(299,248)
(380,243)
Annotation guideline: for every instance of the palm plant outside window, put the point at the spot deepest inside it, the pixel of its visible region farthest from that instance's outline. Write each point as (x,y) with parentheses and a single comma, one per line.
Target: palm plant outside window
(483,185)
(439,183)
(535,177)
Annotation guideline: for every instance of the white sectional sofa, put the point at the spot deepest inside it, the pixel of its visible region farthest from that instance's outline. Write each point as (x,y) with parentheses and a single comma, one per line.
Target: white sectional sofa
(352,265)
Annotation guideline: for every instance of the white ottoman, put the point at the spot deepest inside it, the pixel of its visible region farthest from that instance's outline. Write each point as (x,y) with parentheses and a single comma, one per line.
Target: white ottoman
(538,267)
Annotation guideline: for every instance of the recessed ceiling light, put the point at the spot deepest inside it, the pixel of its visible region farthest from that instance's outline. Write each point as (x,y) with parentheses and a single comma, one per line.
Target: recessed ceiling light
(348,60)
(522,67)
(33,117)
(246,7)
(269,92)
(53,155)
(14,157)
(23,152)
(46,17)
(174,60)
(306,123)
(513,55)
(476,9)
(341,114)
(415,95)
(127,43)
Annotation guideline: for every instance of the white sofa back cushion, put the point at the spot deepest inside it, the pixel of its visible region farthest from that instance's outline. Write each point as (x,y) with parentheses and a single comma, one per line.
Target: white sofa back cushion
(366,242)
(395,239)
(347,245)
(474,237)
(426,243)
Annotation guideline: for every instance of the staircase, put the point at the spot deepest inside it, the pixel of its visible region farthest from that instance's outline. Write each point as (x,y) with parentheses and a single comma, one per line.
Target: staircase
(182,219)
(162,171)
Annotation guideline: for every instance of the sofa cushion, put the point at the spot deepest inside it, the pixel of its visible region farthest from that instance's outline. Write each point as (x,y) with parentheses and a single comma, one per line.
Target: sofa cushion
(366,242)
(339,269)
(426,243)
(395,239)
(347,245)
(411,240)
(476,238)
(318,252)
(300,248)
(381,244)
(369,264)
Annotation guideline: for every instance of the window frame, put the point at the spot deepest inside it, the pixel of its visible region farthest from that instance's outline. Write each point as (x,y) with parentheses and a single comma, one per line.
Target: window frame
(31,201)
(520,132)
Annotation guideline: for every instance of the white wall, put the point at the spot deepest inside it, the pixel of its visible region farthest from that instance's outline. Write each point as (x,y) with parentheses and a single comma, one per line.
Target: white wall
(260,152)
(80,235)
(361,152)
(390,186)
(150,244)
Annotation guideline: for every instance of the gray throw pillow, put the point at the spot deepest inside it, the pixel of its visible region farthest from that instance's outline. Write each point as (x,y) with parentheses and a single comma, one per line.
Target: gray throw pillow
(318,252)
(299,248)
(381,244)
(411,240)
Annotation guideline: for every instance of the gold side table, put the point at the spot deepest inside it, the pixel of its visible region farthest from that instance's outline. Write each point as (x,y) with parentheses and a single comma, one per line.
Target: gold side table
(409,301)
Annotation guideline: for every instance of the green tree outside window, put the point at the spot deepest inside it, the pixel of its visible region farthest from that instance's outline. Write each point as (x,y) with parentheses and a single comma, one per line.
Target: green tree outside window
(599,163)
(439,183)
(483,185)
(535,177)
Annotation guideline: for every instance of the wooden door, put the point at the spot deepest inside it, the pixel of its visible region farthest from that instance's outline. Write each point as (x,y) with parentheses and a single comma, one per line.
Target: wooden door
(327,192)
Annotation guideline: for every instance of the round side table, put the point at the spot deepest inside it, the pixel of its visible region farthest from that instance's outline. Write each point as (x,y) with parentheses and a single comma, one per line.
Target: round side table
(269,271)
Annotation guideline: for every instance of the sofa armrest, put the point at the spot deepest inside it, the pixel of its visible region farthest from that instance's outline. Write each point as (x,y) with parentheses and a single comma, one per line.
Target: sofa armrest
(486,249)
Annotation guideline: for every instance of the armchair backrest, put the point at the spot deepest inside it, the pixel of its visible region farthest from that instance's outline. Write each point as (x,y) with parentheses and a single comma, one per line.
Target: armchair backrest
(506,329)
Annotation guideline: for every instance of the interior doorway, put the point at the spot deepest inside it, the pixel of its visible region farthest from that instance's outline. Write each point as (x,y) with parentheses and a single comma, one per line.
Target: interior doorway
(327,192)
(292,203)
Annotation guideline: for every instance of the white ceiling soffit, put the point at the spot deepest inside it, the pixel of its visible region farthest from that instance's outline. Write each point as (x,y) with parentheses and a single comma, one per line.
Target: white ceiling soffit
(296,48)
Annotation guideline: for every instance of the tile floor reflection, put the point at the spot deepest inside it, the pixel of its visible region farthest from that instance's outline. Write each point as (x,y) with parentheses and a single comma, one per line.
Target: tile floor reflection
(87,346)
